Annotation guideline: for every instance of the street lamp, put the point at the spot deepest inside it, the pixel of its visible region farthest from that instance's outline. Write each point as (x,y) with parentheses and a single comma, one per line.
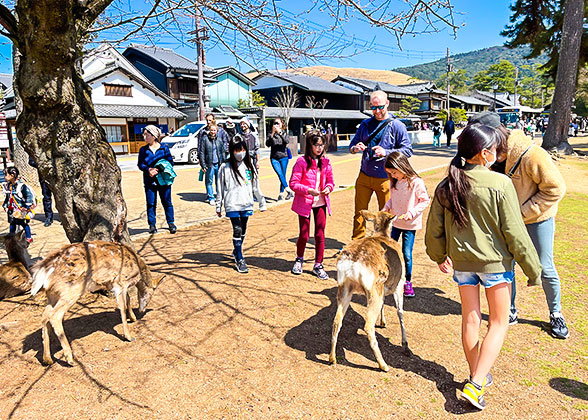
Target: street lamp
(494,88)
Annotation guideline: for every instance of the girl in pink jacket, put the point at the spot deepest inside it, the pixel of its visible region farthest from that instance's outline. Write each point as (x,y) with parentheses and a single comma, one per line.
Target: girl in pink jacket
(408,200)
(312,182)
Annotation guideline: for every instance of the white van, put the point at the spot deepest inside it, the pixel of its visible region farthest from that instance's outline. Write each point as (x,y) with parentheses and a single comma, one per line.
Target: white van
(183,143)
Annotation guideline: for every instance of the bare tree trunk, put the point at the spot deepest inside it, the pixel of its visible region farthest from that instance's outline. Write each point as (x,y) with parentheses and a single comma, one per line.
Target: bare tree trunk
(556,135)
(58,125)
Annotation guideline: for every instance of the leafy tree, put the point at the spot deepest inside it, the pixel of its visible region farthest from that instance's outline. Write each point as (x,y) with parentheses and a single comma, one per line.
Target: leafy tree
(558,28)
(534,82)
(501,74)
(254,99)
(458,81)
(409,105)
(458,115)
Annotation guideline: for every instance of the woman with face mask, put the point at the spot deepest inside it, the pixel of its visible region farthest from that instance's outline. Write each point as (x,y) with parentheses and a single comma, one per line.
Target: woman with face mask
(237,183)
(475,231)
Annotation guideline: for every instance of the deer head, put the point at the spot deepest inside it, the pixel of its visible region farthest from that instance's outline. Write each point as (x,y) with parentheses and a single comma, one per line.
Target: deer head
(382,221)
(145,291)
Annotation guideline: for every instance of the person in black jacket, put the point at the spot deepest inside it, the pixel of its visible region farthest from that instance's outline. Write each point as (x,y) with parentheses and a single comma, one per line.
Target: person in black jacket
(278,141)
(449,129)
(211,154)
(47,199)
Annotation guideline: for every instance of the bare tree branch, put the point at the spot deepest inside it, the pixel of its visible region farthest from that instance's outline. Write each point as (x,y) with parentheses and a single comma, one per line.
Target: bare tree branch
(8,22)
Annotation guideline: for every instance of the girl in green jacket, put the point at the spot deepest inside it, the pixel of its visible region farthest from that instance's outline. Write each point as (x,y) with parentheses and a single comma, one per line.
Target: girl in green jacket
(475,228)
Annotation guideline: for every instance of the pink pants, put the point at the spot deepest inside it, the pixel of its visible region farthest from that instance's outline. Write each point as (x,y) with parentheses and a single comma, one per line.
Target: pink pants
(320,221)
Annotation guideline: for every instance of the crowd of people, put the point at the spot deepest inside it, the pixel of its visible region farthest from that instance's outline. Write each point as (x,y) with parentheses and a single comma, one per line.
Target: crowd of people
(495,207)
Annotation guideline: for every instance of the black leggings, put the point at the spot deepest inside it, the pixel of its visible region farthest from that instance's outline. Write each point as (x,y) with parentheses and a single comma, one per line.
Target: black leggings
(239,226)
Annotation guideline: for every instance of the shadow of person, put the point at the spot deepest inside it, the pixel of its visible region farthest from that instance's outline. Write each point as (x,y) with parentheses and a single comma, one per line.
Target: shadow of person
(313,337)
(330,243)
(570,387)
(429,300)
(193,196)
(76,328)
(206,259)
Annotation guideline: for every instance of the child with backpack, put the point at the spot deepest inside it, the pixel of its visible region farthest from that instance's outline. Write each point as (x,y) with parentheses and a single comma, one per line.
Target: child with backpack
(312,182)
(19,202)
(437,135)
(408,200)
(237,183)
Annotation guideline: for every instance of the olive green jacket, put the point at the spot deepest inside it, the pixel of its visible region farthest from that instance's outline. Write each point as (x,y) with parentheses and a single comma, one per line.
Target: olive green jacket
(496,235)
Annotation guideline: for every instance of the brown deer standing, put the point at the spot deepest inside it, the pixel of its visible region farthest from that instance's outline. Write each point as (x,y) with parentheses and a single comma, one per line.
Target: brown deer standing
(15,276)
(84,267)
(372,266)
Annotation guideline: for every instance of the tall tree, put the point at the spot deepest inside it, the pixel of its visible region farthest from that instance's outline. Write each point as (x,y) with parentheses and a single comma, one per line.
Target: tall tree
(556,135)
(458,81)
(501,74)
(56,121)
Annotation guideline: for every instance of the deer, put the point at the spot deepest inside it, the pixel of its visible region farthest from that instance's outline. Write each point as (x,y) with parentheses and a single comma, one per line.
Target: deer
(75,269)
(372,266)
(15,276)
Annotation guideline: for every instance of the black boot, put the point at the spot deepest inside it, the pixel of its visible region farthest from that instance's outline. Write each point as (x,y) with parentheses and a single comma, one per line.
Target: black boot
(48,221)
(152,229)
(172,228)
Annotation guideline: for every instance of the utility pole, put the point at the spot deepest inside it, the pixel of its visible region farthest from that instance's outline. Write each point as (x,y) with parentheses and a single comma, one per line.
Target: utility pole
(516,82)
(448,71)
(201,35)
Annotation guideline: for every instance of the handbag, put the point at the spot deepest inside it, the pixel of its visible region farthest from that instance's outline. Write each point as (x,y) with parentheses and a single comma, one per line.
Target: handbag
(289,152)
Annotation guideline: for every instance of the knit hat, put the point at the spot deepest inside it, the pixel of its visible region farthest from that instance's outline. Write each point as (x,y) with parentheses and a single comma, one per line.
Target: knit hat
(488,118)
(153,130)
(230,123)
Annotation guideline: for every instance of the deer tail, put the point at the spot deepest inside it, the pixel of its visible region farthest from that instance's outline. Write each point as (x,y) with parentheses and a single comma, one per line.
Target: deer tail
(41,279)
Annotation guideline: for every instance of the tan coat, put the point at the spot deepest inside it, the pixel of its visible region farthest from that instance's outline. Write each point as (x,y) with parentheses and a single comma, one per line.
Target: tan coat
(537,181)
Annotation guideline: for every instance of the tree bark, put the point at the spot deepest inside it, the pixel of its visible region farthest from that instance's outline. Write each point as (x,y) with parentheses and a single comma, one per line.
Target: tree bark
(556,136)
(58,125)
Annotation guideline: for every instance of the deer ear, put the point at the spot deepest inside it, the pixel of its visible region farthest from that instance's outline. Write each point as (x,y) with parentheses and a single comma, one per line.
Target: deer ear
(158,280)
(367,215)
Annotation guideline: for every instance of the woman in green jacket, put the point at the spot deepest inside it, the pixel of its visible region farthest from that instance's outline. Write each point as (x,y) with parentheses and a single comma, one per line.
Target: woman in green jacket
(475,228)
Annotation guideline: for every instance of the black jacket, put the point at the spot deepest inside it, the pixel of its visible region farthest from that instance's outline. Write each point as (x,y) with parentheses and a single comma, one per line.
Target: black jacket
(278,143)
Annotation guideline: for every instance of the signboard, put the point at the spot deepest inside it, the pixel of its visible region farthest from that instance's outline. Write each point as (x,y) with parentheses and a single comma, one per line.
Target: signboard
(4,144)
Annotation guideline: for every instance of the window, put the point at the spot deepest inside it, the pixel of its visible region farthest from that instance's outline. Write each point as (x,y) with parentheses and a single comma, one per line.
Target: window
(115,133)
(117,90)
(187,86)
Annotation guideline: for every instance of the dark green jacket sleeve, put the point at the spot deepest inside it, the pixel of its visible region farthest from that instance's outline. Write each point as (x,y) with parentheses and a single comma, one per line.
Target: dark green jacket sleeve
(435,235)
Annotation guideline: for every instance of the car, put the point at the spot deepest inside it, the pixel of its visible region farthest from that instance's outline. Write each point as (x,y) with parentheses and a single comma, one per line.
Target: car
(408,123)
(183,143)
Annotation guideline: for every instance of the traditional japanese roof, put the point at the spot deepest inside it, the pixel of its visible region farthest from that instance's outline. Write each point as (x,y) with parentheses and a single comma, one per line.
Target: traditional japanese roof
(307,113)
(168,57)
(302,81)
(468,100)
(6,79)
(371,85)
(229,69)
(137,111)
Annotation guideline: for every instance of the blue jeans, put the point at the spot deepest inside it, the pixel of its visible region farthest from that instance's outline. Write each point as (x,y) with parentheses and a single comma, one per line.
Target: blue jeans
(151,198)
(210,177)
(280,166)
(407,244)
(542,235)
(24,224)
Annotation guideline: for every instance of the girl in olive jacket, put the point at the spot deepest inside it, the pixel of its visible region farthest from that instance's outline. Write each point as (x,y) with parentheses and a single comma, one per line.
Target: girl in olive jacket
(475,228)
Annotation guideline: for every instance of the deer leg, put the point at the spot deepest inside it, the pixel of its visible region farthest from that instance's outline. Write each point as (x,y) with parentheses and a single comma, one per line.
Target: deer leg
(132,317)
(382,323)
(343,298)
(121,300)
(399,300)
(56,319)
(375,303)
(47,359)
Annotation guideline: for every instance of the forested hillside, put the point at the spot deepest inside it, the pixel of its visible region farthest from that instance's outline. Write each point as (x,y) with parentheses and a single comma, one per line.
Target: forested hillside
(472,62)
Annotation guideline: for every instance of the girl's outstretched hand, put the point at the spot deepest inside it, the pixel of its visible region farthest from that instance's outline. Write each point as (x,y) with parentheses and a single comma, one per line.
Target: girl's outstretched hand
(446,266)
(326,191)
(314,192)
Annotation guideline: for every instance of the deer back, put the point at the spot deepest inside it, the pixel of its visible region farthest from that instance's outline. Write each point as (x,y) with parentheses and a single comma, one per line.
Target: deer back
(380,254)
(92,265)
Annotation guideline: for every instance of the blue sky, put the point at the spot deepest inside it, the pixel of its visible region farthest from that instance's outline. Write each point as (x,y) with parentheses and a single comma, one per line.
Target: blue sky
(483,22)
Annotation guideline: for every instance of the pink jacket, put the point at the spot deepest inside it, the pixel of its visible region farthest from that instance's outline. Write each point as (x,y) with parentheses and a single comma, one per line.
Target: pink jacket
(303,178)
(410,200)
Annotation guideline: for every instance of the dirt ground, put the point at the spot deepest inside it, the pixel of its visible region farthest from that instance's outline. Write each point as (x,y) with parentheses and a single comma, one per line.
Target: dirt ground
(216,344)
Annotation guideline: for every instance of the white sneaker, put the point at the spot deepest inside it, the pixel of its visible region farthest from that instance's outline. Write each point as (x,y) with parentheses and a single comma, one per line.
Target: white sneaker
(280,196)
(212,202)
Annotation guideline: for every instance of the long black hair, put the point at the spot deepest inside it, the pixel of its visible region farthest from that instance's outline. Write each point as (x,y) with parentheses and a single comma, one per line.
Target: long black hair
(237,143)
(454,191)
(399,161)
(312,138)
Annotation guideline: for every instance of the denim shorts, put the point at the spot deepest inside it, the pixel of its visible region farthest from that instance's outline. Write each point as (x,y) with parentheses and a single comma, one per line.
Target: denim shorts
(243,213)
(468,278)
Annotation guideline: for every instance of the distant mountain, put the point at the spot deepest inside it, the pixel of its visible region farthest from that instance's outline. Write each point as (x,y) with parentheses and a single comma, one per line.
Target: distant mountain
(472,62)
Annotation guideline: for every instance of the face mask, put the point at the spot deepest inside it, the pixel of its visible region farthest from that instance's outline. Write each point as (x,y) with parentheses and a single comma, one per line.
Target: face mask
(239,156)
(490,163)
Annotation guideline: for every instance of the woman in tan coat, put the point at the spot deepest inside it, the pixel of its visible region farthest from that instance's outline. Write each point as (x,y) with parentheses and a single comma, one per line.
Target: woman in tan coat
(539,186)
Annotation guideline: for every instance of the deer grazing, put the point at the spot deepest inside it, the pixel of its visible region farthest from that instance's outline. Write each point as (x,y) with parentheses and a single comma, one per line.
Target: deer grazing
(84,267)
(15,276)
(372,266)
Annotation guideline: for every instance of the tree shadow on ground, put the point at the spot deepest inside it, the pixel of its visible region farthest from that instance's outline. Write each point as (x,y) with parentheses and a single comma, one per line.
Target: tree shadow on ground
(193,196)
(570,387)
(313,337)
(79,327)
(227,260)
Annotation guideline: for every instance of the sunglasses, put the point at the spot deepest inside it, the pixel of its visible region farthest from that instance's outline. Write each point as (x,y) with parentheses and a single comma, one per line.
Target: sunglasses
(277,123)
(380,107)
